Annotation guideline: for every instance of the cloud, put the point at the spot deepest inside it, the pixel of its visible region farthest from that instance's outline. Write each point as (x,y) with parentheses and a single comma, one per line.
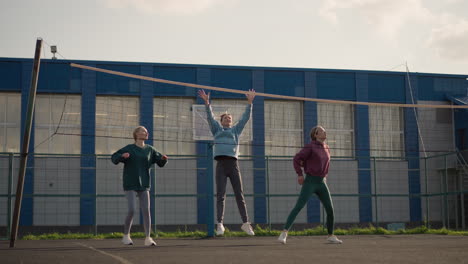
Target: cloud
(450,38)
(446,37)
(174,7)
(387,16)
(453,1)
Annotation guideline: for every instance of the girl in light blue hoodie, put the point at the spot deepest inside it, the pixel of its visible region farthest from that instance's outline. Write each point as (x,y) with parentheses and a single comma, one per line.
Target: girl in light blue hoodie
(226,152)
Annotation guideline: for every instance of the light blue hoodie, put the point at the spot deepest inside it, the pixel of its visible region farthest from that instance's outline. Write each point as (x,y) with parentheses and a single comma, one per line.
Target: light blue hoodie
(226,139)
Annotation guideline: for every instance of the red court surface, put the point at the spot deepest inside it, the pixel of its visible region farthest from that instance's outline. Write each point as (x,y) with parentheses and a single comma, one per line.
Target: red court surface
(243,250)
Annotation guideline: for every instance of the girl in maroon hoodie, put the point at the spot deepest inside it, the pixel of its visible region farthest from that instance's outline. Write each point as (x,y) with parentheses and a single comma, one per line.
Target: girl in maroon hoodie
(315,159)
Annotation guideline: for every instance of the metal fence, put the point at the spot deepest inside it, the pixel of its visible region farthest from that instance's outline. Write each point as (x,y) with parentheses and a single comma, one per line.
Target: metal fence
(77,192)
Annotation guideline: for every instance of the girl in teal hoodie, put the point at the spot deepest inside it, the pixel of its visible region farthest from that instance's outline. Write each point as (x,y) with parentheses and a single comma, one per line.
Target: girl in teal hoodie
(138,159)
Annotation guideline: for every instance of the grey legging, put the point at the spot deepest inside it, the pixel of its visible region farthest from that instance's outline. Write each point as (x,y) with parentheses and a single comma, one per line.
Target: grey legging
(143,197)
(229,168)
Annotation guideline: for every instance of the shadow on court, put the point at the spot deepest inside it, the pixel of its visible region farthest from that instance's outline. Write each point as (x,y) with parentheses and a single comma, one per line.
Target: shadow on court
(244,250)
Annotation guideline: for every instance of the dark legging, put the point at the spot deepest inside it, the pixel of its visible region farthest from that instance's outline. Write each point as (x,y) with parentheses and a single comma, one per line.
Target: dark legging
(143,197)
(311,185)
(229,168)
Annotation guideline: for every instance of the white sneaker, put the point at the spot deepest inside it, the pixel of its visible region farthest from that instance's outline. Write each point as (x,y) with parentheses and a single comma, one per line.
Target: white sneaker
(149,242)
(220,229)
(247,228)
(282,237)
(333,240)
(126,240)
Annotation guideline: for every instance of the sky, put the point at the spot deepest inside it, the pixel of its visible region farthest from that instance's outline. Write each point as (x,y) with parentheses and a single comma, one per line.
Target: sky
(428,36)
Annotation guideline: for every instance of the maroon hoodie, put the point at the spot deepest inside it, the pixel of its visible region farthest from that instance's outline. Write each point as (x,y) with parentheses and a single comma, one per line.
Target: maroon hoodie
(314,157)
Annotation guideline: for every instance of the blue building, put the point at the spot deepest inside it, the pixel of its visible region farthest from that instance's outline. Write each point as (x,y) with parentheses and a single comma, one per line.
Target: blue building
(376,149)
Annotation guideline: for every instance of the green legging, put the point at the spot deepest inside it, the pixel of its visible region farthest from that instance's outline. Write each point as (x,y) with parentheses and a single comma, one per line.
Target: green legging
(311,185)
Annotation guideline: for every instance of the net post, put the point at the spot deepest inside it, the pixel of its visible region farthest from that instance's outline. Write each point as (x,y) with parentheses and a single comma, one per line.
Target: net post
(426,191)
(210,191)
(95,196)
(10,181)
(26,138)
(375,193)
(445,184)
(268,190)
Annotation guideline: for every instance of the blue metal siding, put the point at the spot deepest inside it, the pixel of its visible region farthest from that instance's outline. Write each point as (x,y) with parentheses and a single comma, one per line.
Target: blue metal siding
(412,152)
(451,86)
(146,101)
(55,78)
(461,125)
(431,88)
(310,120)
(361,117)
(426,88)
(284,82)
(180,74)
(88,143)
(146,120)
(10,74)
(117,85)
(75,81)
(204,160)
(340,86)
(233,79)
(386,88)
(27,203)
(258,149)
(364,163)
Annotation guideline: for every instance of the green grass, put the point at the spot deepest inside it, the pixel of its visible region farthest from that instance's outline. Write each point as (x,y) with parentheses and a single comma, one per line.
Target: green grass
(259,231)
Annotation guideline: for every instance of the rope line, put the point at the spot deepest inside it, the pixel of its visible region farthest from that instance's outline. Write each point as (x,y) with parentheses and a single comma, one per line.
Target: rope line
(214,88)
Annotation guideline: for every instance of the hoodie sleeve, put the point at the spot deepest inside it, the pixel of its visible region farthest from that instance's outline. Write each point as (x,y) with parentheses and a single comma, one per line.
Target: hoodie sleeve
(244,119)
(301,158)
(117,156)
(214,125)
(156,157)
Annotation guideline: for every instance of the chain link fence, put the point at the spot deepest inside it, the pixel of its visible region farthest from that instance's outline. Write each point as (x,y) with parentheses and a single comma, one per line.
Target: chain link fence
(76,193)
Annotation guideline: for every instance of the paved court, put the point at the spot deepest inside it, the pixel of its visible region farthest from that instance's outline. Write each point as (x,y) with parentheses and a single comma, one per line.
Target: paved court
(312,249)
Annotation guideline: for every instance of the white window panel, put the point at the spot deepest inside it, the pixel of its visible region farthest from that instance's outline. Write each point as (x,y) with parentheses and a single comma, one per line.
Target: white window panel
(57,124)
(283,128)
(10,122)
(386,132)
(116,118)
(338,121)
(172,126)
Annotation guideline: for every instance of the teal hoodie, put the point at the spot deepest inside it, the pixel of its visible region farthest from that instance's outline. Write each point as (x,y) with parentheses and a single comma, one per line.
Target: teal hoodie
(136,174)
(226,139)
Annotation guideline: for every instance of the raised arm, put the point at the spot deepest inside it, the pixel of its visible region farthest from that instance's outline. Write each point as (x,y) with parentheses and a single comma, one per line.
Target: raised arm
(214,125)
(247,113)
(204,96)
(250,96)
(244,119)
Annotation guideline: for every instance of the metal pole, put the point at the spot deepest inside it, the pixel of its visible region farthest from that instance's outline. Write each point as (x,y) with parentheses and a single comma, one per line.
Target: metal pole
(462,201)
(210,192)
(441,199)
(268,190)
(95,197)
(457,182)
(375,192)
(25,147)
(10,181)
(427,197)
(153,199)
(447,213)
